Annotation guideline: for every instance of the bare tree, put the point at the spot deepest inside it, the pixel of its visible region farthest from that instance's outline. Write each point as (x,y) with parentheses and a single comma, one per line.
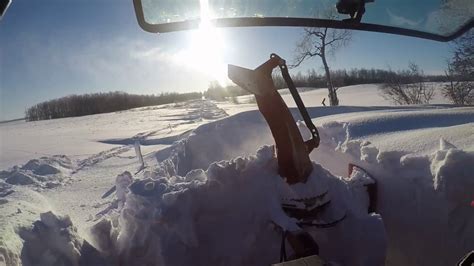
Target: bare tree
(407,87)
(321,42)
(458,92)
(460,72)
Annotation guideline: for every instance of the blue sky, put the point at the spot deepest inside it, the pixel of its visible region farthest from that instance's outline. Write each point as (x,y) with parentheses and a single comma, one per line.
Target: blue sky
(54,48)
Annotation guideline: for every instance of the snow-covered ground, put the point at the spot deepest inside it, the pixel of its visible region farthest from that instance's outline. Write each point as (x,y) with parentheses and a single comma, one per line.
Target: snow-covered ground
(421,156)
(81,137)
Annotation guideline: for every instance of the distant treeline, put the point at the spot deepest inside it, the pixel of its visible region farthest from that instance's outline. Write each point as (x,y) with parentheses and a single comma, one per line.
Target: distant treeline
(313,79)
(344,77)
(96,103)
(88,104)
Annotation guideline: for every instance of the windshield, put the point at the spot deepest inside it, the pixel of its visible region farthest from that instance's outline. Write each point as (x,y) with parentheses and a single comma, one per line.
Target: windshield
(442,17)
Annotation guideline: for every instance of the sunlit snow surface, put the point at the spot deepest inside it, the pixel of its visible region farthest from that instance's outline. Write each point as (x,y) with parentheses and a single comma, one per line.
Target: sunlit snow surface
(421,156)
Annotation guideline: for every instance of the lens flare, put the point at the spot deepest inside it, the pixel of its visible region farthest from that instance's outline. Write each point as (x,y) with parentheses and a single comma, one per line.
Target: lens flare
(205,49)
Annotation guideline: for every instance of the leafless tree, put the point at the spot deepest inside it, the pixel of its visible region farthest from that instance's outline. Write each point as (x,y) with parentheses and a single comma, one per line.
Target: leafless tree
(460,72)
(458,92)
(321,42)
(407,87)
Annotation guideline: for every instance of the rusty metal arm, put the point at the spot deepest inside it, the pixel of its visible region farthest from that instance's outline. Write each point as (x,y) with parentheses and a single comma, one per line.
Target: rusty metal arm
(292,152)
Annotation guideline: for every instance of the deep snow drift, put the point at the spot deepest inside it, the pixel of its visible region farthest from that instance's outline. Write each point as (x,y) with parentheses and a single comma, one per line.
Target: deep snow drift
(228,215)
(424,195)
(421,156)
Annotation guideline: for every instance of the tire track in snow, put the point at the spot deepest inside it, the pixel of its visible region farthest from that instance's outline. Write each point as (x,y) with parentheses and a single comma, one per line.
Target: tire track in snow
(100,157)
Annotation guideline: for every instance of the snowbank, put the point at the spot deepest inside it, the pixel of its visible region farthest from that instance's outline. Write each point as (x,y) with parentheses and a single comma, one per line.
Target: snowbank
(53,240)
(408,130)
(423,199)
(424,192)
(210,199)
(20,202)
(18,209)
(45,172)
(231,214)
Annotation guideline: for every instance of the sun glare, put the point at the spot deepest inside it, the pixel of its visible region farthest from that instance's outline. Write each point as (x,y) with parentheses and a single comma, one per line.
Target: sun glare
(205,49)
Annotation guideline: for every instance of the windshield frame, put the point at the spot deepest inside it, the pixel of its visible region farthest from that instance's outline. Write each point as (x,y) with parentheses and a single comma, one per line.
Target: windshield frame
(293,22)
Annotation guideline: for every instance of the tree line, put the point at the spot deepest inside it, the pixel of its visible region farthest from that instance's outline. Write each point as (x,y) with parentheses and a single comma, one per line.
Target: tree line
(96,103)
(313,79)
(340,78)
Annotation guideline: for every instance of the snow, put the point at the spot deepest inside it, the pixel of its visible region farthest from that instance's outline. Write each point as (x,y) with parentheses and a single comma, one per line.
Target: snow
(45,172)
(222,216)
(421,218)
(52,241)
(210,190)
(85,136)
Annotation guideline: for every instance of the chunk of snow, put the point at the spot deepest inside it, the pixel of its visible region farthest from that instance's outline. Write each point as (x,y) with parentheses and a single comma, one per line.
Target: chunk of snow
(54,240)
(122,182)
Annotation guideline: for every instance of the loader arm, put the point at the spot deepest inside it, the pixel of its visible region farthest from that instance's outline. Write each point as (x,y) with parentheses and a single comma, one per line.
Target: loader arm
(292,152)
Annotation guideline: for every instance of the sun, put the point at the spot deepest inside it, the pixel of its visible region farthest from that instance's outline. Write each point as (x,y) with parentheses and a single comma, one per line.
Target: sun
(204,52)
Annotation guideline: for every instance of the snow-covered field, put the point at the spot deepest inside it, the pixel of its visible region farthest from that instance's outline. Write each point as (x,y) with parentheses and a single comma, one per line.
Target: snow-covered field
(205,211)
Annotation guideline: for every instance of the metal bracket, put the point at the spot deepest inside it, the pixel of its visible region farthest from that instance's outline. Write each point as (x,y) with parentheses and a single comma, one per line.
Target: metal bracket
(292,152)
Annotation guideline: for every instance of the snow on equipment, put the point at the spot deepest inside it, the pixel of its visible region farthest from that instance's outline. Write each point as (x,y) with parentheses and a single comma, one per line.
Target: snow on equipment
(354,173)
(293,159)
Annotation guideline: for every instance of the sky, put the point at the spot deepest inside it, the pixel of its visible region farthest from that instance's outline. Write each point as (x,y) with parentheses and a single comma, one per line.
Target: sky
(54,48)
